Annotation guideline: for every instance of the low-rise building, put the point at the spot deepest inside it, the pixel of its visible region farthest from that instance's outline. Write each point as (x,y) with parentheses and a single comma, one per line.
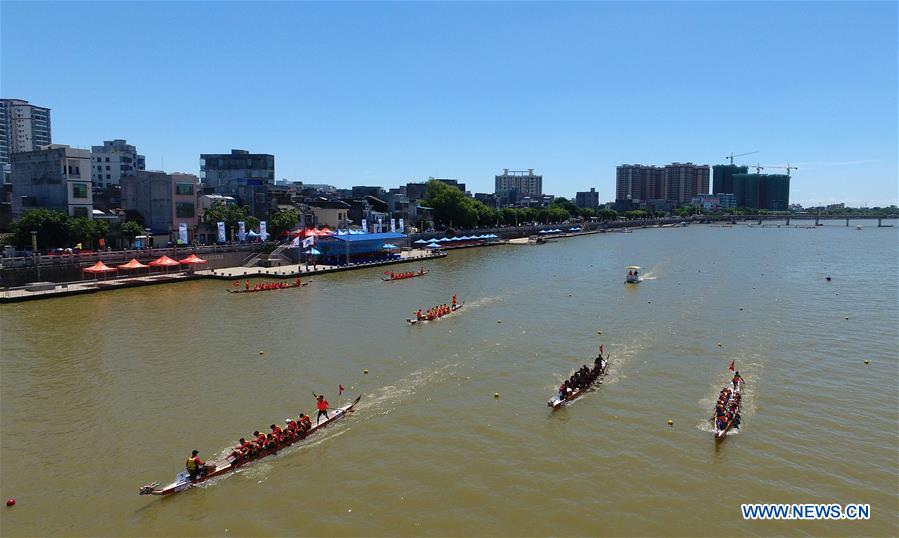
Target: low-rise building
(714,202)
(587,200)
(163,201)
(331,213)
(54,177)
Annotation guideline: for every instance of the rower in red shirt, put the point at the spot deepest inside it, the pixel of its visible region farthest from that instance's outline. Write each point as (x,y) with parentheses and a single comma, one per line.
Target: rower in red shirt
(305,422)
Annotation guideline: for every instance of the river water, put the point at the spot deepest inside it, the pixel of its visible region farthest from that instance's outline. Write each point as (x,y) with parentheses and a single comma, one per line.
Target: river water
(102,393)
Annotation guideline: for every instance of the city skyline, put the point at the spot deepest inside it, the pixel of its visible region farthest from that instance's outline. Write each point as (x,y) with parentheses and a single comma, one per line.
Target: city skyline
(390,93)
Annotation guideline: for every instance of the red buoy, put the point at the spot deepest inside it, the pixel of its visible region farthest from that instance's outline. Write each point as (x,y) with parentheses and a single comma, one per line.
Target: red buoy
(10,502)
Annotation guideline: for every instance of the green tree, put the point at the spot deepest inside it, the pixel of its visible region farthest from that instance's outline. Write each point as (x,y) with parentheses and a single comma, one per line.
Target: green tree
(49,225)
(636,214)
(607,214)
(451,206)
(230,214)
(688,210)
(284,221)
(130,230)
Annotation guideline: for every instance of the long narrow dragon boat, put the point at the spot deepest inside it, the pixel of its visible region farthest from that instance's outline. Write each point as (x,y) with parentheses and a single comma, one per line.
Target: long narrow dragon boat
(453,309)
(390,276)
(732,405)
(257,290)
(229,463)
(556,401)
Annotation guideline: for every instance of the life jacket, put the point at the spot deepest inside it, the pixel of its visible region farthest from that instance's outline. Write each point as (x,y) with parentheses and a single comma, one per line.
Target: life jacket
(192,464)
(322,405)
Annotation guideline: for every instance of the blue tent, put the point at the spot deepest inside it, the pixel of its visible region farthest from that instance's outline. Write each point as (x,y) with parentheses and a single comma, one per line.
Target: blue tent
(388,246)
(421,242)
(433,245)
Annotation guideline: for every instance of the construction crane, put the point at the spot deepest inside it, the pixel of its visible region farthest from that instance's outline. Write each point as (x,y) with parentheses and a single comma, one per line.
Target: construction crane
(787,168)
(758,168)
(731,156)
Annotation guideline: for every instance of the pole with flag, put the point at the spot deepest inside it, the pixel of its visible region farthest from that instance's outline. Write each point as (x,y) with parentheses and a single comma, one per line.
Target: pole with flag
(339,392)
(731,367)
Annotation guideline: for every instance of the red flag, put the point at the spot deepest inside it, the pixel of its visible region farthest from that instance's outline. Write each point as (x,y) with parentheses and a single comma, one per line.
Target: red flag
(731,367)
(340,390)
(600,349)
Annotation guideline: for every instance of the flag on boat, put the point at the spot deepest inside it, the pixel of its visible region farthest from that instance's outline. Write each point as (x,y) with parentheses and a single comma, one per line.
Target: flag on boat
(731,367)
(340,390)
(600,349)
(309,241)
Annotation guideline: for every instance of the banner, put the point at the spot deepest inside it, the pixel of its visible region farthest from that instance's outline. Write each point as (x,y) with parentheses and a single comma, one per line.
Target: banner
(392,225)
(378,230)
(263,234)
(365,225)
(309,241)
(242,230)
(182,232)
(221,226)
(295,243)
(402,227)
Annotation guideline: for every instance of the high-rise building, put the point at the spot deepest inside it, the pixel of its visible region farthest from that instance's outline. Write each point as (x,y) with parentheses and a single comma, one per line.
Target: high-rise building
(587,200)
(723,177)
(163,201)
(220,170)
(683,181)
(23,127)
(55,177)
(762,191)
(513,185)
(637,182)
(241,174)
(112,160)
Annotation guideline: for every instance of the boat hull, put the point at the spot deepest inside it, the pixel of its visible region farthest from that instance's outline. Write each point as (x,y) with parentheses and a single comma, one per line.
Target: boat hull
(413,321)
(720,434)
(406,277)
(273,289)
(226,465)
(555,402)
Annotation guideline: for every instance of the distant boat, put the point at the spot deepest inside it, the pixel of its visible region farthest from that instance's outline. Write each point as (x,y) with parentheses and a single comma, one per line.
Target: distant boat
(633,274)
(859,227)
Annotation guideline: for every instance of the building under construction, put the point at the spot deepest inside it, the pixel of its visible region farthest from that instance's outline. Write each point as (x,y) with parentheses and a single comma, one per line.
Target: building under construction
(762,191)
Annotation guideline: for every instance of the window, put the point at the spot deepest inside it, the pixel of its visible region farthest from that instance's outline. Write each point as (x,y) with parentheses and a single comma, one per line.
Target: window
(79,190)
(107,160)
(107,176)
(184,188)
(107,166)
(184,210)
(79,211)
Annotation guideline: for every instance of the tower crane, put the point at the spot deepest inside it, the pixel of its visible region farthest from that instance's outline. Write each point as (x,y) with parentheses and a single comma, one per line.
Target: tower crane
(758,168)
(787,168)
(731,156)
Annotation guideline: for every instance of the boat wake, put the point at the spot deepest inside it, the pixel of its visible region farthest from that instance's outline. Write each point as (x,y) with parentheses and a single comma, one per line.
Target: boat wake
(751,376)
(388,398)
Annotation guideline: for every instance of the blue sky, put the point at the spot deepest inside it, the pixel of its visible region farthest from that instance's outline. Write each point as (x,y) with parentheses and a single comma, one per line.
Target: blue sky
(385,93)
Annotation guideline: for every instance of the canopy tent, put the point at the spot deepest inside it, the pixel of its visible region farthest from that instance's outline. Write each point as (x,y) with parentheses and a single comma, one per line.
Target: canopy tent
(443,240)
(133,264)
(543,232)
(314,251)
(388,246)
(432,245)
(163,261)
(192,260)
(421,242)
(632,267)
(99,267)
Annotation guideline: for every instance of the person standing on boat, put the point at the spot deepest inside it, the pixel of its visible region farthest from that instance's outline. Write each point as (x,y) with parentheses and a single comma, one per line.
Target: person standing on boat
(454,300)
(195,466)
(736,380)
(322,405)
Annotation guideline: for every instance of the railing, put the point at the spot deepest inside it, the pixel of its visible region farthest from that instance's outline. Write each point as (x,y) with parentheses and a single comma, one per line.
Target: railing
(125,255)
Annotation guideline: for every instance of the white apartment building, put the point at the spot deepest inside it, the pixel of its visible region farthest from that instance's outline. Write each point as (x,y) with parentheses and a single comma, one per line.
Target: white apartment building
(112,160)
